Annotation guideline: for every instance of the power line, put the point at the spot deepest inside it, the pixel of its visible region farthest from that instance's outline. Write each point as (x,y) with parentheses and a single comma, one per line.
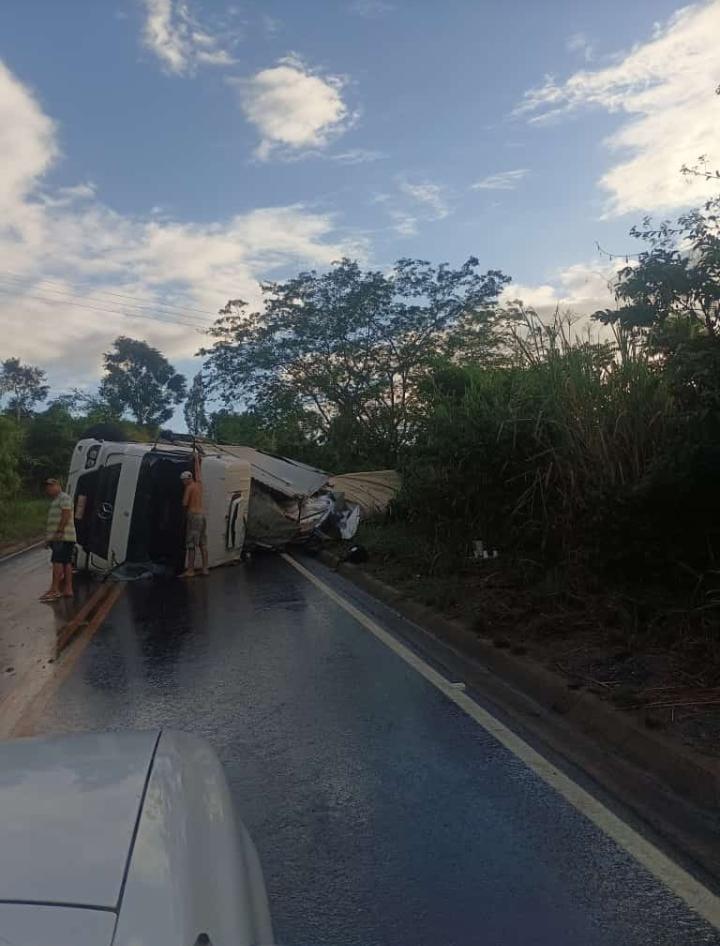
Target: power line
(80,299)
(108,292)
(101,305)
(626,256)
(106,311)
(183,309)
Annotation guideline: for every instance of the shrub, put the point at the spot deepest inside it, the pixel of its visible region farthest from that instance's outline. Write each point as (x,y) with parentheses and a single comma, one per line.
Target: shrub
(533,456)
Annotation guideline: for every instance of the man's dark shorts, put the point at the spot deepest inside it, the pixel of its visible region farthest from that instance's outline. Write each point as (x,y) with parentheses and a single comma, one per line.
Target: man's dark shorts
(61,552)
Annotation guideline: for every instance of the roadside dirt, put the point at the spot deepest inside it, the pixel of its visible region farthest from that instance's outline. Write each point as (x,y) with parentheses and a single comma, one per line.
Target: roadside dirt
(10,548)
(641,653)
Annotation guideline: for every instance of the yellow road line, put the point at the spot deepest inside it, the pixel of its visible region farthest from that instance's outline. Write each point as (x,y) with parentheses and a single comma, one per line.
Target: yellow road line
(68,631)
(701,900)
(21,710)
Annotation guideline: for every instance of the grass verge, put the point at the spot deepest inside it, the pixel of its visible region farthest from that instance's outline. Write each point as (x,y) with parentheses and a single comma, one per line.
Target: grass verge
(22,519)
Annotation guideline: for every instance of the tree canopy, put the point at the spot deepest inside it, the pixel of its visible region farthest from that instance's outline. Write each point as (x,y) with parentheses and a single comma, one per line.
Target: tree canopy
(350,346)
(48,443)
(195,410)
(10,446)
(670,298)
(674,285)
(139,380)
(24,385)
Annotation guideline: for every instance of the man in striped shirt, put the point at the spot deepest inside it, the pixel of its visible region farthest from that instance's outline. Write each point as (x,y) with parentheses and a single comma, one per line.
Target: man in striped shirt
(60,538)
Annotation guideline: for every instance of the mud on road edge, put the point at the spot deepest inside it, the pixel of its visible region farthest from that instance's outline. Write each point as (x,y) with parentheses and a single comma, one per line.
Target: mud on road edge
(23,706)
(671,788)
(10,550)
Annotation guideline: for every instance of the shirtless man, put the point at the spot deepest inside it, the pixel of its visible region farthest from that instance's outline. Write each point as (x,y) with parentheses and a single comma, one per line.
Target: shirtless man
(196,529)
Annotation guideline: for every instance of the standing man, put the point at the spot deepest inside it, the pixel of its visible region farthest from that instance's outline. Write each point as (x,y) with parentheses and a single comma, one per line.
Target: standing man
(60,538)
(196,528)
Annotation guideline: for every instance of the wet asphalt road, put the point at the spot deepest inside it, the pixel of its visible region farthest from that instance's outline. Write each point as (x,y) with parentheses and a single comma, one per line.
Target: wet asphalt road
(28,627)
(381,812)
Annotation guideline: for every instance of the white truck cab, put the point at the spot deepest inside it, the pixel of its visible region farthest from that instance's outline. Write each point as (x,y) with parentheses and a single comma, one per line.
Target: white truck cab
(128,503)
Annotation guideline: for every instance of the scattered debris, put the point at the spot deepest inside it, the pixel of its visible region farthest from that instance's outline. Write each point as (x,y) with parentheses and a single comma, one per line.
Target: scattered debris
(356,555)
(480,553)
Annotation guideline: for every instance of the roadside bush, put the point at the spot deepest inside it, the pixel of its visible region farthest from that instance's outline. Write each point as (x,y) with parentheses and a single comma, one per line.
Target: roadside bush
(535,456)
(10,441)
(22,520)
(47,446)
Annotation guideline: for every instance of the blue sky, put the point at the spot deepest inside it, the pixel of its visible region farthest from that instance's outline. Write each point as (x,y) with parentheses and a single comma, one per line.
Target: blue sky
(169,154)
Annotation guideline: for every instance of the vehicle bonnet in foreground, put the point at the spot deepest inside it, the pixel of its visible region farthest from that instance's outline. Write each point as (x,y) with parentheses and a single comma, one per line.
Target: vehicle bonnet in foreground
(127,838)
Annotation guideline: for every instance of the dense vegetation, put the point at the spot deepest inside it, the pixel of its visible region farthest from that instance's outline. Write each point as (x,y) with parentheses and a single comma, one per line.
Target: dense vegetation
(338,359)
(36,443)
(593,447)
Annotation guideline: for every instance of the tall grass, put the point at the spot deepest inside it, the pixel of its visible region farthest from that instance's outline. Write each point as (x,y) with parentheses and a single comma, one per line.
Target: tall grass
(22,519)
(528,454)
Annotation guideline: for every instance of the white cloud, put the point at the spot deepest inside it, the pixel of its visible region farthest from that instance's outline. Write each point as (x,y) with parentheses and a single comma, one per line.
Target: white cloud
(370,9)
(27,144)
(404,224)
(414,203)
(174,34)
(294,108)
(582,288)
(664,88)
(357,156)
(64,196)
(504,181)
(579,43)
(428,194)
(271,24)
(71,266)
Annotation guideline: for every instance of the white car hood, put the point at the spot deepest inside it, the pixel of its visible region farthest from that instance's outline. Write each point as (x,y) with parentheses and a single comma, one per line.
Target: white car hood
(31,925)
(70,809)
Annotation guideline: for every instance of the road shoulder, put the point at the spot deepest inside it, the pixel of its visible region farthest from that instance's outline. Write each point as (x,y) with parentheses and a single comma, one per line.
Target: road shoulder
(672,789)
(40,642)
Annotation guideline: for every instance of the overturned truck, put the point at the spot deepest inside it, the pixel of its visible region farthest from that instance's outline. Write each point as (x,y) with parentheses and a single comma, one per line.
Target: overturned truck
(128,502)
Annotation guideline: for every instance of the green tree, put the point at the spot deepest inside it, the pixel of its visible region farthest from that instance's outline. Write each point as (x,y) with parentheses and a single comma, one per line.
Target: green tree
(48,444)
(89,405)
(141,381)
(674,285)
(10,441)
(669,298)
(350,346)
(279,428)
(195,409)
(245,427)
(24,385)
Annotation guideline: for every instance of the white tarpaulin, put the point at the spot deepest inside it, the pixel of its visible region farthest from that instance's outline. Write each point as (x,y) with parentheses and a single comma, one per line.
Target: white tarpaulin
(372,491)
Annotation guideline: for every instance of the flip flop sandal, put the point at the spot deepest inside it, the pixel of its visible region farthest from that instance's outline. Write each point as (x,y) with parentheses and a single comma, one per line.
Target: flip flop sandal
(53,597)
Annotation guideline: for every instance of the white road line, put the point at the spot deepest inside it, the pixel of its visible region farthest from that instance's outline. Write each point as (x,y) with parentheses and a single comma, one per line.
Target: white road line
(701,900)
